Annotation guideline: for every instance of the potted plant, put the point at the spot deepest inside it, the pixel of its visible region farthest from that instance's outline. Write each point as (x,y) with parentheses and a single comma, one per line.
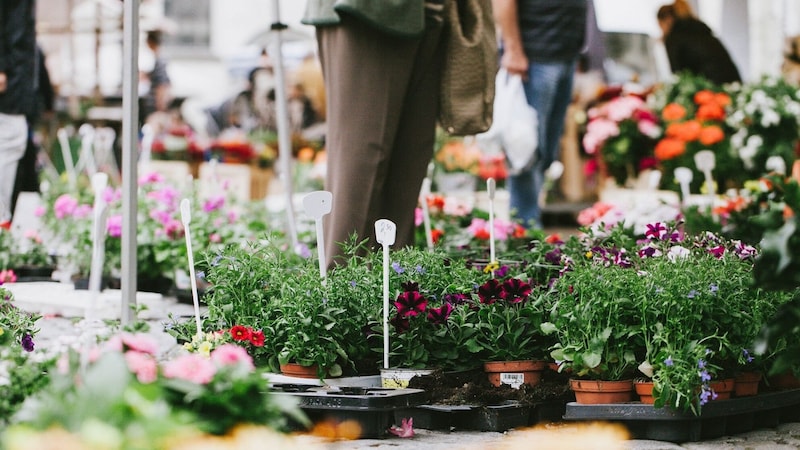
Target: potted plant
(431,318)
(509,322)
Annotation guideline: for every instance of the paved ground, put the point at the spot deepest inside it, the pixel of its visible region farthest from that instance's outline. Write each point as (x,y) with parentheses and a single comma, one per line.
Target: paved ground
(63,307)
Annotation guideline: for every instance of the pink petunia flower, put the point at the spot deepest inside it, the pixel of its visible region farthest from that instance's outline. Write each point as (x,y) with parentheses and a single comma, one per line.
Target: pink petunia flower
(114,226)
(192,367)
(39,211)
(138,342)
(64,206)
(150,178)
(82,211)
(143,365)
(232,355)
(214,203)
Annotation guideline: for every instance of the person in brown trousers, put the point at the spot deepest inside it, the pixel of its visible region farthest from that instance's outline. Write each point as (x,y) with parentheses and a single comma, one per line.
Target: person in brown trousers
(382,70)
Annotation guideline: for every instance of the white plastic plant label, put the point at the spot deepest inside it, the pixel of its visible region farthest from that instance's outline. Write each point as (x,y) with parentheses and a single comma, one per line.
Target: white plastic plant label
(514,380)
(385,231)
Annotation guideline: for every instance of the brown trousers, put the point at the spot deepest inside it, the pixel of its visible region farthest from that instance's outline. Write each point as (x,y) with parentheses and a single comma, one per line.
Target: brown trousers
(383,97)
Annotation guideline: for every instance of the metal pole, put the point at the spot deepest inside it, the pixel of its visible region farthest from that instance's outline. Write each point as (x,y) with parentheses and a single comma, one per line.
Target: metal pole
(284,138)
(130,129)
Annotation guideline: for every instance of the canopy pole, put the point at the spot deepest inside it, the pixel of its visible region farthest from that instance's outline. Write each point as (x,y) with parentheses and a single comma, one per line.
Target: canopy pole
(284,134)
(130,141)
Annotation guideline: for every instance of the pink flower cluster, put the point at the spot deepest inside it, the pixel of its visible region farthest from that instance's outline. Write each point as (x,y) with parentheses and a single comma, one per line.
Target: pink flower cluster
(604,121)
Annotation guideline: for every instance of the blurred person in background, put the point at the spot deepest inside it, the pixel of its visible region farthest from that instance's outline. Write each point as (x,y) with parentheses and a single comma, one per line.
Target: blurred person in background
(27,179)
(18,75)
(692,46)
(382,64)
(541,41)
(154,82)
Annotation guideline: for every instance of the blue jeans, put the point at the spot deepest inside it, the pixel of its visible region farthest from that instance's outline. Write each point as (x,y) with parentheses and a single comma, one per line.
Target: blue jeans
(549,91)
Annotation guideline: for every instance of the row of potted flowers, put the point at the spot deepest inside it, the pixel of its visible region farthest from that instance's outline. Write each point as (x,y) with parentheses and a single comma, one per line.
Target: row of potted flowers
(679,308)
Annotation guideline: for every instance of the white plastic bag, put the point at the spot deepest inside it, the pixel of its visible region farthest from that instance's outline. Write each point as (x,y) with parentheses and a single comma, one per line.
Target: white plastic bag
(514,125)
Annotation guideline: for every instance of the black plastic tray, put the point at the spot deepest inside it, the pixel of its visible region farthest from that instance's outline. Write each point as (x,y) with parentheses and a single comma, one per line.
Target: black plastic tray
(718,418)
(373,408)
(501,417)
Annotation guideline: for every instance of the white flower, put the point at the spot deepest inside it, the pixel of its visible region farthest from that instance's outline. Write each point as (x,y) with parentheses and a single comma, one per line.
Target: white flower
(769,118)
(677,252)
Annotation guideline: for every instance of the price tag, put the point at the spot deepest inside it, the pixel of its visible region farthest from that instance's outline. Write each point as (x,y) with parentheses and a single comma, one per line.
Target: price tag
(514,380)
(385,231)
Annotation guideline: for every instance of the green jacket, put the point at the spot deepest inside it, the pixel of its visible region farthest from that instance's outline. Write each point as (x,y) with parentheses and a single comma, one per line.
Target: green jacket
(397,17)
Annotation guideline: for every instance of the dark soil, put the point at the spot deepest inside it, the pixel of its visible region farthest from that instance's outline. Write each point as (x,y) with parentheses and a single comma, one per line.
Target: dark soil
(473,388)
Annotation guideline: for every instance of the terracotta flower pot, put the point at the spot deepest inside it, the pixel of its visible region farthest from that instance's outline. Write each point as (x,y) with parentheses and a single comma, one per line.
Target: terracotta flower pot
(645,391)
(593,392)
(723,388)
(296,370)
(514,373)
(747,384)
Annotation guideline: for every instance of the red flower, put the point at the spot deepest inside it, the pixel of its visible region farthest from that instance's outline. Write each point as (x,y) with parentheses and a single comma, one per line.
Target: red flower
(240,333)
(257,338)
(436,234)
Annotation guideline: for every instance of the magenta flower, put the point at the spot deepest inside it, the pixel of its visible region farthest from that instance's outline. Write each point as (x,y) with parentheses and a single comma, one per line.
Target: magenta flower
(39,211)
(82,211)
(139,342)
(410,304)
(213,203)
(655,231)
(64,206)
(150,178)
(114,226)
(717,251)
(400,324)
(490,292)
(515,290)
(439,315)
(112,195)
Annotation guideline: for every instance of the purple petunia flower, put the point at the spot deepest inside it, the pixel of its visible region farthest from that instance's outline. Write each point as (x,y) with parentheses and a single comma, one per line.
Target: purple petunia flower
(669,362)
(553,256)
(717,251)
(502,271)
(655,231)
(455,299)
(27,342)
(713,288)
(692,294)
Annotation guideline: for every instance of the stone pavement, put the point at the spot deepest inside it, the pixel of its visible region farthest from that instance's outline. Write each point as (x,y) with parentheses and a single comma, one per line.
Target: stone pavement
(63,307)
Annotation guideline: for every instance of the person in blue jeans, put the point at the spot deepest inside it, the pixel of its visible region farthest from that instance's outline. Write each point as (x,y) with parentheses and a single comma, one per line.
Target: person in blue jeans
(541,41)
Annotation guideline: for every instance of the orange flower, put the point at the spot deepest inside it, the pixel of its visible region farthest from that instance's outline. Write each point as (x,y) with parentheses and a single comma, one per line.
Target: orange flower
(703,97)
(553,238)
(711,111)
(673,111)
(722,99)
(669,148)
(711,134)
(787,212)
(685,131)
(305,154)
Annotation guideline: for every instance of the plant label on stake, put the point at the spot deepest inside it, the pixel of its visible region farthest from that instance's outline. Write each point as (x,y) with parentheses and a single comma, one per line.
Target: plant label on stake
(654,180)
(385,233)
(99,183)
(426,212)
(684,176)
(186,219)
(317,204)
(705,161)
(490,188)
(66,153)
